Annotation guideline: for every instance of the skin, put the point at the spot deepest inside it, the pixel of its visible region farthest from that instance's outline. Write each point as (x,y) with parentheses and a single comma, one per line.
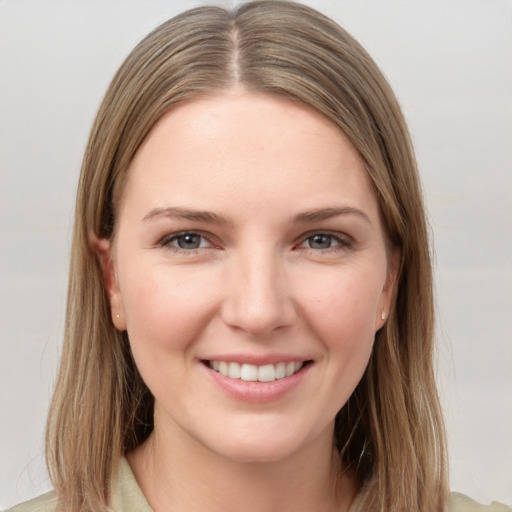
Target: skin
(258,285)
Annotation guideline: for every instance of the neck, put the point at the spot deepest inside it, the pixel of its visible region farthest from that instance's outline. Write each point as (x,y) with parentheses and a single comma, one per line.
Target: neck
(181,475)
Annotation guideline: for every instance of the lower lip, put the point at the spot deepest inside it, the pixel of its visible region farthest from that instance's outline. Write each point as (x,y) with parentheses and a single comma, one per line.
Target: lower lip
(257,392)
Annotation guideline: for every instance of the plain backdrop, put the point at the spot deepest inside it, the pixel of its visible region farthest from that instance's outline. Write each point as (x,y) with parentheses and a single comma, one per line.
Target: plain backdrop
(450,63)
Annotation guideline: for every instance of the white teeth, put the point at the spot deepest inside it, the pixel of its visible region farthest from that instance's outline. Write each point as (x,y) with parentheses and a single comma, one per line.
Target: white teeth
(234,371)
(280,370)
(253,373)
(249,372)
(266,373)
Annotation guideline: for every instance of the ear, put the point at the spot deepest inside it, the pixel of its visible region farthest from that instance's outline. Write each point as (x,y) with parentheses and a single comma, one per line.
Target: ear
(389,290)
(103,250)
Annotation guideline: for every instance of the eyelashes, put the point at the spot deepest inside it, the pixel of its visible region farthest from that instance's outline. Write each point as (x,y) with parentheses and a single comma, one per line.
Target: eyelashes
(325,241)
(186,241)
(319,242)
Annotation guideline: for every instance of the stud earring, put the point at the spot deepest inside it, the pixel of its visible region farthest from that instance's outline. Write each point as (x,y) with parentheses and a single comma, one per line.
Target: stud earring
(118,316)
(383,315)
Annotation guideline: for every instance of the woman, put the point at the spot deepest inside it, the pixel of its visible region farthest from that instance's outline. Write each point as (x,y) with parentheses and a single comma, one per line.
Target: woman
(250,315)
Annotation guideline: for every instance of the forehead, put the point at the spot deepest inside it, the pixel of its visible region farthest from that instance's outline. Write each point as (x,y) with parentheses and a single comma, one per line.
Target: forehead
(247,147)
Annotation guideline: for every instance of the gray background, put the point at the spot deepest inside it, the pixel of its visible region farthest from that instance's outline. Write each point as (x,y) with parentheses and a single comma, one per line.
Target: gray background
(450,63)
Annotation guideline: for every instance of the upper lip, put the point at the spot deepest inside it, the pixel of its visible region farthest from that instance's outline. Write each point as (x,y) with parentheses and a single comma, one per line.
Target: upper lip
(258,360)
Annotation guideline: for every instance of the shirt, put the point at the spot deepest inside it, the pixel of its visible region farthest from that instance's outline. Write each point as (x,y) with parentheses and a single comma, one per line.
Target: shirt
(127,497)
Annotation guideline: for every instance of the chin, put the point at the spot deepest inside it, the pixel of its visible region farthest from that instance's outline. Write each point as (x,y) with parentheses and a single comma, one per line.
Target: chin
(256,453)
(258,445)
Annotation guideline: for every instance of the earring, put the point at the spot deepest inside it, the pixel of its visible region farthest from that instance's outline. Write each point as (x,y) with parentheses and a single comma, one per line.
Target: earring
(383,315)
(118,316)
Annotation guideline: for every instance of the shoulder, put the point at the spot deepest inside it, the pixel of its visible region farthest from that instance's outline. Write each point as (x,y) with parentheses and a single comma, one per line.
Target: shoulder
(460,503)
(125,495)
(44,503)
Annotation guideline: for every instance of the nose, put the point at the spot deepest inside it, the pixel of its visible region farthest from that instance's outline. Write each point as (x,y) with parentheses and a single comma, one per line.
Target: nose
(257,296)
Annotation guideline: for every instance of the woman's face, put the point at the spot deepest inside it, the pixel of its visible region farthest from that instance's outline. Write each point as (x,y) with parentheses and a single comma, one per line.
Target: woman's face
(251,273)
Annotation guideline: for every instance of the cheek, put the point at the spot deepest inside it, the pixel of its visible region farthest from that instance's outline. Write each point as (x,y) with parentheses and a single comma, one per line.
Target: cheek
(345,294)
(166,308)
(345,324)
(342,309)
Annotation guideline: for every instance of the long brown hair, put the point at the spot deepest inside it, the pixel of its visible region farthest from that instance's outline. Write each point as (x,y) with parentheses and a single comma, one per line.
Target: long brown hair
(390,431)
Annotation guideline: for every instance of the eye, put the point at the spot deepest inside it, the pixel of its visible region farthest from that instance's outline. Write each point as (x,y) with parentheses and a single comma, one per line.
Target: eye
(323,241)
(186,241)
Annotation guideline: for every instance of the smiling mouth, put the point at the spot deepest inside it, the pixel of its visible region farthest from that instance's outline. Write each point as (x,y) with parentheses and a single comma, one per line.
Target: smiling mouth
(254,373)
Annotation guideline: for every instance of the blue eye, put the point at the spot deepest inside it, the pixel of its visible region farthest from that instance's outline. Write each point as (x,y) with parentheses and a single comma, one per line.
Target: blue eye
(186,241)
(323,241)
(320,241)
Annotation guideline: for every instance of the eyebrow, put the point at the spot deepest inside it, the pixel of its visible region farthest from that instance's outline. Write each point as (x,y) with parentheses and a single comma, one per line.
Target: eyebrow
(328,213)
(308,216)
(185,213)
